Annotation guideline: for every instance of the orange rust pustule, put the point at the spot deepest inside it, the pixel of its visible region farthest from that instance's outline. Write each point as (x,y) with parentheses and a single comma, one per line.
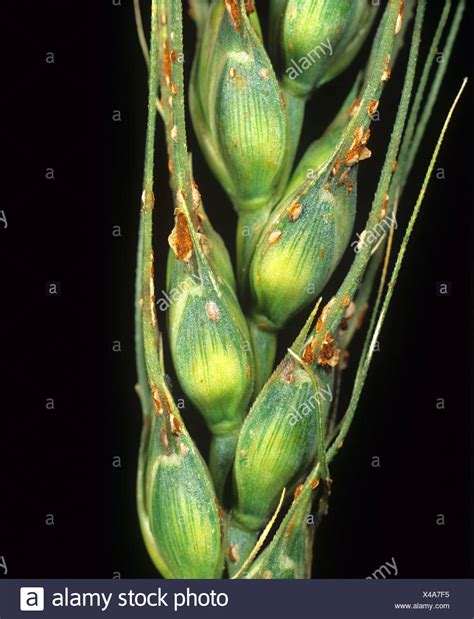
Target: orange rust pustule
(232,553)
(354,107)
(383,210)
(148,201)
(328,354)
(249,6)
(308,353)
(298,491)
(322,318)
(157,403)
(232,7)
(314,483)
(220,511)
(358,150)
(399,22)
(166,62)
(175,425)
(387,72)
(372,108)
(294,211)
(180,239)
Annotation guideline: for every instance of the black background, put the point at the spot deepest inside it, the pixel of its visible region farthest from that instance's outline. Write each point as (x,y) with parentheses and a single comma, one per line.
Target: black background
(60,462)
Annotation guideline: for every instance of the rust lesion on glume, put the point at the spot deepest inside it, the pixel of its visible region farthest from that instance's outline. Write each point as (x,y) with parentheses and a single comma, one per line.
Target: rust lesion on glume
(233,553)
(387,72)
(274,237)
(154,320)
(180,239)
(358,150)
(355,105)
(175,425)
(148,200)
(383,210)
(220,513)
(328,353)
(249,6)
(212,311)
(287,372)
(295,211)
(308,353)
(232,7)
(322,318)
(167,62)
(164,438)
(157,401)
(372,107)
(298,491)
(399,22)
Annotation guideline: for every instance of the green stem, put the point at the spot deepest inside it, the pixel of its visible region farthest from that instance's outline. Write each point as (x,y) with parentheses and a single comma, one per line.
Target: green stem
(142,386)
(264,345)
(221,458)
(146,336)
(365,362)
(249,228)
(295,107)
(434,90)
(403,170)
(409,147)
(172,97)
(240,541)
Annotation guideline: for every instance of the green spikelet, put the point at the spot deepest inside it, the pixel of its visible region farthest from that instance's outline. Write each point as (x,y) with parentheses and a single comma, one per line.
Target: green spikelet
(183,513)
(300,248)
(296,255)
(286,557)
(315,40)
(240,117)
(209,340)
(277,443)
(308,232)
